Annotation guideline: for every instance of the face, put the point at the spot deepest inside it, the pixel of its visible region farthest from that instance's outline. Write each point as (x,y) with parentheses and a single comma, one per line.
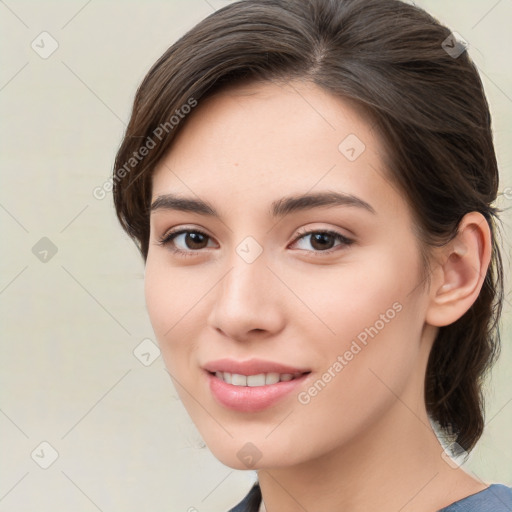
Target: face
(250,277)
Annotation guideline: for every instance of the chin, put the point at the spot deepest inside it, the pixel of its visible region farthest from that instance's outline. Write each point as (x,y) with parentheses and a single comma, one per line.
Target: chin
(241,454)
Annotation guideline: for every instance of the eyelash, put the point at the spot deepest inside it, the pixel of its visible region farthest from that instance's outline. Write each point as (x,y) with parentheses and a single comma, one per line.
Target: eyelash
(170,236)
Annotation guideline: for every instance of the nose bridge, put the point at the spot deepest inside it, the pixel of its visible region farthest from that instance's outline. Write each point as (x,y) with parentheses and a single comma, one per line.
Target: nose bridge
(246,298)
(248,272)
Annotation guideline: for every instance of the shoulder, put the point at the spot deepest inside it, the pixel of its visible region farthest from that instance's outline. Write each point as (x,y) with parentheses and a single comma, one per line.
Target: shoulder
(251,503)
(496,498)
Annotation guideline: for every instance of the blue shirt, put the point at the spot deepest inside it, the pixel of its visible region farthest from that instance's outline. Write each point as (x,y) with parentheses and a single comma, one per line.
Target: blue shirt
(496,498)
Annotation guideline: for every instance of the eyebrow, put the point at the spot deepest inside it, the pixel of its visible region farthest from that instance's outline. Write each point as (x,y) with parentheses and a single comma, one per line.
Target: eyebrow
(279,208)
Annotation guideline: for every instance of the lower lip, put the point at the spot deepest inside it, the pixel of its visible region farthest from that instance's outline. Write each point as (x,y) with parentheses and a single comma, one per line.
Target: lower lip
(251,398)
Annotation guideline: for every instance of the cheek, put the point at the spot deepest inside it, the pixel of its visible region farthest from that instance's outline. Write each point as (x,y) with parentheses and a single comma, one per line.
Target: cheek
(358,385)
(350,298)
(375,328)
(369,375)
(170,300)
(160,299)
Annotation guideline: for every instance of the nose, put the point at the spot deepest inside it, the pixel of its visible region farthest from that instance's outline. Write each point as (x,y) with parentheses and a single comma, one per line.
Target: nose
(248,301)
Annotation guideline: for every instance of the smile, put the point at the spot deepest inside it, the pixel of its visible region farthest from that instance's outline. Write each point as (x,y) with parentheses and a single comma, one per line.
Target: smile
(253,393)
(261,379)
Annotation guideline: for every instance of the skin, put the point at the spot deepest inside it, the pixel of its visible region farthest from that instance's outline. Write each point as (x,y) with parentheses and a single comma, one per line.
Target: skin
(364,442)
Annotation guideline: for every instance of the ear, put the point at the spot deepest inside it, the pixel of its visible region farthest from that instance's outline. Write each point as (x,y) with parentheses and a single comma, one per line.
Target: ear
(460,273)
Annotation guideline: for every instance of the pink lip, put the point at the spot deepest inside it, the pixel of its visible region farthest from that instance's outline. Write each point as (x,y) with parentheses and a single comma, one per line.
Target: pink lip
(251,398)
(250,367)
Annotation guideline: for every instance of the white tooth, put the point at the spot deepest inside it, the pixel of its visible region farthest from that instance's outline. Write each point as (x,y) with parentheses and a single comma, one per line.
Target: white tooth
(256,380)
(238,380)
(262,379)
(272,378)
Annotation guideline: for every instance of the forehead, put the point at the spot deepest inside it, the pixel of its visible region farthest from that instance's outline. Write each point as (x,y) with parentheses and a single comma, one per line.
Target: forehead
(266,138)
(273,114)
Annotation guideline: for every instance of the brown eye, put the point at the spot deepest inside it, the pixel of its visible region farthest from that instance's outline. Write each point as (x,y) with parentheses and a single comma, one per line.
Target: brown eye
(185,240)
(323,241)
(194,240)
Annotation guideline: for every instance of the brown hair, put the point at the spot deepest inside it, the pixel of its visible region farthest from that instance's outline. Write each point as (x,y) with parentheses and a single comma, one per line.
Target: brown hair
(392,59)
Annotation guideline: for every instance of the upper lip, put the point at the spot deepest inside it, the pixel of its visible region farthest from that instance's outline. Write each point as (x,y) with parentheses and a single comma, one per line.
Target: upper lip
(250,367)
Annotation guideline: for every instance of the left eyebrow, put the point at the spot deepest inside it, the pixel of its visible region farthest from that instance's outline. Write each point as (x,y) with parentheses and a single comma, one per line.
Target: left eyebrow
(279,208)
(290,204)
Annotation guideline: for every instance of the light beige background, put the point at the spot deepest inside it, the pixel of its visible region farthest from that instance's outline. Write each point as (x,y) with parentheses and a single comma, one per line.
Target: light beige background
(70,324)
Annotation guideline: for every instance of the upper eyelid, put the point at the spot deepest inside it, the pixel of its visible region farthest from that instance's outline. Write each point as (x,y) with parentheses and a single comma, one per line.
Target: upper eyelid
(303,232)
(184,229)
(300,232)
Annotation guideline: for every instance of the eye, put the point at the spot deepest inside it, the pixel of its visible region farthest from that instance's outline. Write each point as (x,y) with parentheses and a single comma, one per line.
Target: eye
(191,239)
(322,240)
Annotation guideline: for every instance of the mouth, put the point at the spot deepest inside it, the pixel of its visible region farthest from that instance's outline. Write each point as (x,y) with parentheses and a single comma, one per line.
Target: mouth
(260,379)
(252,368)
(256,392)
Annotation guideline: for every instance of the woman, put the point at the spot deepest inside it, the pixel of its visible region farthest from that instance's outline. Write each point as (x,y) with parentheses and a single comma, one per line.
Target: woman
(310,184)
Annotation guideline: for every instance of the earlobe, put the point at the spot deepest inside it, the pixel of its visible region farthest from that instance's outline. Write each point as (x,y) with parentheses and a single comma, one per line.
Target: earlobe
(461,271)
